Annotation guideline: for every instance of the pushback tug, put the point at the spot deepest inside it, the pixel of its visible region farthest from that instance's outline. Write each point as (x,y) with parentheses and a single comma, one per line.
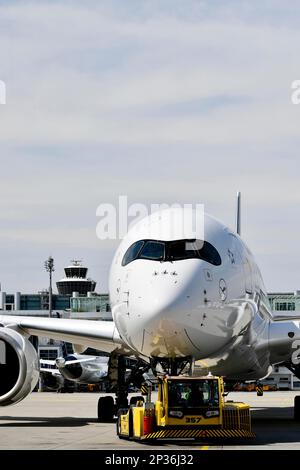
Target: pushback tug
(186,408)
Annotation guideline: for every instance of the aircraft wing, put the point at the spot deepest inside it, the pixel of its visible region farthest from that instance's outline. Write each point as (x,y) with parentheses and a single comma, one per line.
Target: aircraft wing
(52,371)
(47,362)
(77,361)
(102,335)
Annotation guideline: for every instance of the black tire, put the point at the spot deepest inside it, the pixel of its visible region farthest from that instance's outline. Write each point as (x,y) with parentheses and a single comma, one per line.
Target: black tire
(297,408)
(106,409)
(134,400)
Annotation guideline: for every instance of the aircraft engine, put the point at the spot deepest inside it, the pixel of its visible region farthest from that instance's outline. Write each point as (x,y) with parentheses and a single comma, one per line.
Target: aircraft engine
(19,367)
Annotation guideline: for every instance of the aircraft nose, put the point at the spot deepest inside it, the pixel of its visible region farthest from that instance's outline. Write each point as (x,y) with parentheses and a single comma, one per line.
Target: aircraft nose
(159,299)
(159,309)
(172,309)
(164,290)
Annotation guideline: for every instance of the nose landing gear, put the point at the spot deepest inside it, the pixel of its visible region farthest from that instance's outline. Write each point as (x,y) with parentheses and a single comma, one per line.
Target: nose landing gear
(122,371)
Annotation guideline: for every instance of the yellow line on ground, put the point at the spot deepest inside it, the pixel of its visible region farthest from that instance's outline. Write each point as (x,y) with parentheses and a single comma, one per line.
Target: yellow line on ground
(204,448)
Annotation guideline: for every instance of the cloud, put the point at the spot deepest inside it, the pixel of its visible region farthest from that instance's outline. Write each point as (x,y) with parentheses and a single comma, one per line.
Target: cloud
(77,85)
(162,101)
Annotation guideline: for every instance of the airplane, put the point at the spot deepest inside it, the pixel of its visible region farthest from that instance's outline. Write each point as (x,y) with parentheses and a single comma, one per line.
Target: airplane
(177,298)
(77,368)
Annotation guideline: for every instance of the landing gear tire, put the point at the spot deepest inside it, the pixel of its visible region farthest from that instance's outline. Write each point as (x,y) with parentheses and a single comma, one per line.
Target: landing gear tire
(297,408)
(106,409)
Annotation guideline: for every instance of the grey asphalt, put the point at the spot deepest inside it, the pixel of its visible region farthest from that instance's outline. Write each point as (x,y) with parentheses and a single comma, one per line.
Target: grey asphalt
(68,421)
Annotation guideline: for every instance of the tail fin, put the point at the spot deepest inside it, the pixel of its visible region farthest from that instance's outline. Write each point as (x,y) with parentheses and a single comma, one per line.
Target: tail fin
(238,213)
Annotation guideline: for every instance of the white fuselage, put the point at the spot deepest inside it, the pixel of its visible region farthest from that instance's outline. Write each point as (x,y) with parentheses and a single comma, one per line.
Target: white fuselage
(216,313)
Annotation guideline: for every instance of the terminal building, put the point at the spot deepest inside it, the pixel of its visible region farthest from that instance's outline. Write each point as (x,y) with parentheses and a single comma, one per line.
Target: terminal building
(64,306)
(76,295)
(39,301)
(284,303)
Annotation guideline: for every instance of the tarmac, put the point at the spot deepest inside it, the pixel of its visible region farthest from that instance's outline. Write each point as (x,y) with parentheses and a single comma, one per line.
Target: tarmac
(68,421)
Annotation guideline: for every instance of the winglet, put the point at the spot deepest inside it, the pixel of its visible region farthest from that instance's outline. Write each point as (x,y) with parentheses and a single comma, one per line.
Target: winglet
(238,213)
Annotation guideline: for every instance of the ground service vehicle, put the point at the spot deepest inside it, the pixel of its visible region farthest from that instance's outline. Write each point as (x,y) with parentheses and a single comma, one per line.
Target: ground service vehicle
(186,408)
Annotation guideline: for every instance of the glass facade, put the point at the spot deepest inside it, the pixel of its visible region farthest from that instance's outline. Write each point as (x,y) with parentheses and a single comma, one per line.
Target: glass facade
(285,306)
(284,302)
(40,301)
(76,271)
(97,303)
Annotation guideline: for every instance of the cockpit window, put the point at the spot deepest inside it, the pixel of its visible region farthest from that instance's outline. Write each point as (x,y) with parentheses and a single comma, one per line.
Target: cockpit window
(157,250)
(185,249)
(153,250)
(132,252)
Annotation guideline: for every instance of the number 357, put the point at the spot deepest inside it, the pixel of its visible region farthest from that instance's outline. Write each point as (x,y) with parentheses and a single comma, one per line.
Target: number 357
(192,420)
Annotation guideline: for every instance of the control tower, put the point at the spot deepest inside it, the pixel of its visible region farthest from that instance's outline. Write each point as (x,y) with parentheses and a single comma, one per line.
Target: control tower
(75,280)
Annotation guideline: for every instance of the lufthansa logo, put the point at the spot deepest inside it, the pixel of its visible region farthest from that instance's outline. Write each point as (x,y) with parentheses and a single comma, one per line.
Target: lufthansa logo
(223,289)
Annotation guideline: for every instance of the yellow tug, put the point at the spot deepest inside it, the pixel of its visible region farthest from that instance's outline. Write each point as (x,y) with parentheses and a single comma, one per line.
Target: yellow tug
(186,408)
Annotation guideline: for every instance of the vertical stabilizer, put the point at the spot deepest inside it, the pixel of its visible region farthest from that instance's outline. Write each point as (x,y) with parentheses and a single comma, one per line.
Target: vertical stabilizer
(238,213)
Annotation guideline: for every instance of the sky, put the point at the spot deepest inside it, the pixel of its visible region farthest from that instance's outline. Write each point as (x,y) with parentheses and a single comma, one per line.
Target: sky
(164,101)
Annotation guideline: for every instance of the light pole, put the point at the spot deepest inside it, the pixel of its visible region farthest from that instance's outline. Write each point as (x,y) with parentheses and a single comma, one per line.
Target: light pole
(49,266)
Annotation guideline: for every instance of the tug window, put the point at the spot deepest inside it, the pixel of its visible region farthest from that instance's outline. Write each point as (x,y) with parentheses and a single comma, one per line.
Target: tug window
(193,394)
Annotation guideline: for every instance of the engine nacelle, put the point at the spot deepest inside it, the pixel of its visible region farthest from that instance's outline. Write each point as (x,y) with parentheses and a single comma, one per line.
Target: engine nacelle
(19,367)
